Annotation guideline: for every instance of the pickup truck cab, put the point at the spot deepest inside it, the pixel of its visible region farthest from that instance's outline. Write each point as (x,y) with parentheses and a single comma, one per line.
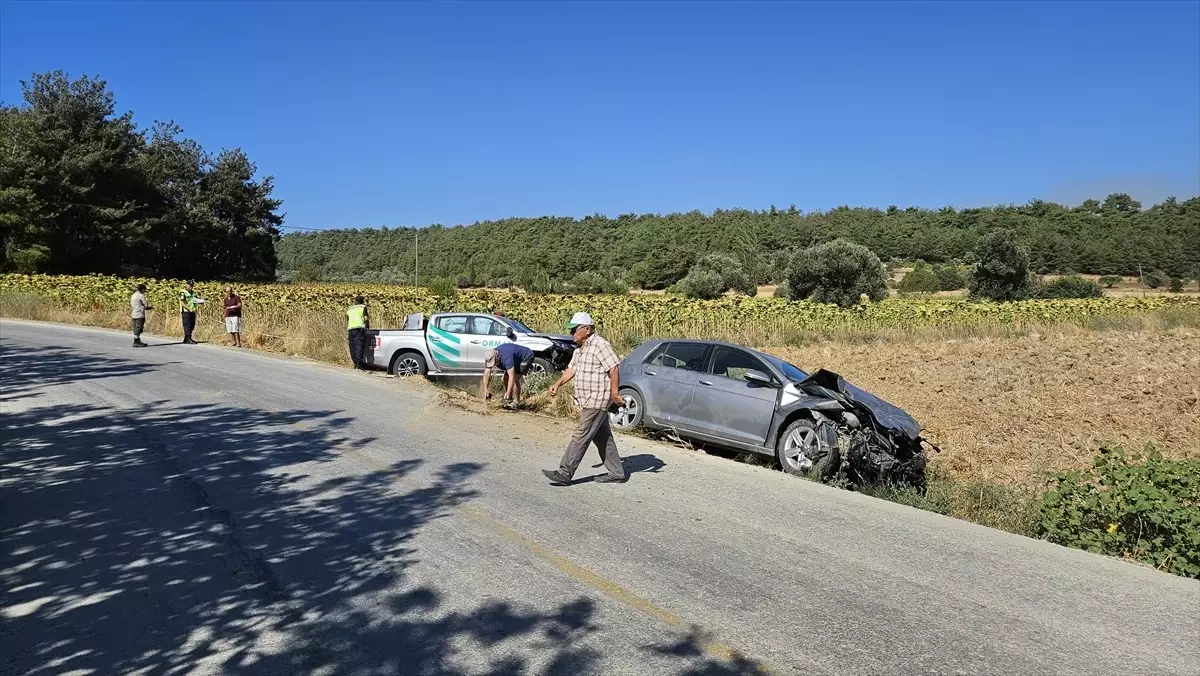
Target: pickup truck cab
(454,344)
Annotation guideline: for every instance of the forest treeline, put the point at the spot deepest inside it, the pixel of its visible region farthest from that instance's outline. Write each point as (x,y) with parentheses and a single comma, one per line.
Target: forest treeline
(1109,237)
(83,189)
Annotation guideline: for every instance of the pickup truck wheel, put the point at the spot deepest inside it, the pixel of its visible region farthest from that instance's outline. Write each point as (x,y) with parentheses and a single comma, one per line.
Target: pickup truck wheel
(802,452)
(540,366)
(630,415)
(409,364)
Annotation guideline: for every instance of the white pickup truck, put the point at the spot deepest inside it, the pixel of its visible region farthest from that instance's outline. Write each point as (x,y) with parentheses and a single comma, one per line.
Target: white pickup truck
(454,344)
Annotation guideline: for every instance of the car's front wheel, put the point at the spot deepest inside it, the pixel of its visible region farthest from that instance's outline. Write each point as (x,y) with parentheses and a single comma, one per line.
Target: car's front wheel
(630,415)
(540,366)
(802,451)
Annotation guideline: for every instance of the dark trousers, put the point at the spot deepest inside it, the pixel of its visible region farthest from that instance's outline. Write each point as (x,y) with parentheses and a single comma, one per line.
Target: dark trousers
(138,324)
(189,324)
(356,338)
(593,428)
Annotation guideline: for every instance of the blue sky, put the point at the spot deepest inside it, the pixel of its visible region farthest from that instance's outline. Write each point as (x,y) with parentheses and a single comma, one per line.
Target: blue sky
(381,113)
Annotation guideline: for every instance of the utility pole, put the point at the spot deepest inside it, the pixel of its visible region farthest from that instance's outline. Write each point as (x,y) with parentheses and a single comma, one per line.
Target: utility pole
(417,262)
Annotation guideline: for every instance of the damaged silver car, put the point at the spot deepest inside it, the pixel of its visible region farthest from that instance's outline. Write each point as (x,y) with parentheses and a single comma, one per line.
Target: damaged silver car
(817,425)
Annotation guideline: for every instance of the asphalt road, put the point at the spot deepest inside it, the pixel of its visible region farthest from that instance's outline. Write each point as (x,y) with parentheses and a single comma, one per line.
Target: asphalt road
(196,509)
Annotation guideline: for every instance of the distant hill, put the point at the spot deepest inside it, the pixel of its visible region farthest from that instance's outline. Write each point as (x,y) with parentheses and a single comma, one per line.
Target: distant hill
(1115,236)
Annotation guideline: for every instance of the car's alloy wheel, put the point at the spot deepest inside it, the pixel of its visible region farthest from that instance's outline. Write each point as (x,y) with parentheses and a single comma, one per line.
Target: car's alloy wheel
(540,366)
(800,447)
(802,451)
(409,364)
(629,415)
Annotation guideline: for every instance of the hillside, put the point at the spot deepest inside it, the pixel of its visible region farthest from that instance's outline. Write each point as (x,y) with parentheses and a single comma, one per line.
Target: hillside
(1115,236)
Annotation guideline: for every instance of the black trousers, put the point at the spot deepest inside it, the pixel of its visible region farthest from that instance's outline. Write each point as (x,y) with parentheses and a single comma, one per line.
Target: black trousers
(356,338)
(189,324)
(139,324)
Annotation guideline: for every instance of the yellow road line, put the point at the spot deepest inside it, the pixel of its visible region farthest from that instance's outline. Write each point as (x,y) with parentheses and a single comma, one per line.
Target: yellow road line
(586,576)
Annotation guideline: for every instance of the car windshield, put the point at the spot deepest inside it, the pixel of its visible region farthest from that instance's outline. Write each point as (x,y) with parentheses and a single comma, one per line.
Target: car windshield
(521,328)
(790,372)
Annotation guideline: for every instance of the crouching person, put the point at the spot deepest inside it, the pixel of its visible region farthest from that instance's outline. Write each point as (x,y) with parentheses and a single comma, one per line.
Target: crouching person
(514,359)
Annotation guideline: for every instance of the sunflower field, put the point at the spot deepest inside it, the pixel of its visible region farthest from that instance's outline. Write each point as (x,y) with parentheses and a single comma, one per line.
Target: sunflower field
(751,320)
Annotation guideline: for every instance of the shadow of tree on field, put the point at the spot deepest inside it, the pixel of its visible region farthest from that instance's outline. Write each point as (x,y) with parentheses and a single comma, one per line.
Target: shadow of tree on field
(171,539)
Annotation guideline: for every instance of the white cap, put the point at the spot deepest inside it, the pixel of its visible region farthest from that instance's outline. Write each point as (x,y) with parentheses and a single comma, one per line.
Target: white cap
(580,319)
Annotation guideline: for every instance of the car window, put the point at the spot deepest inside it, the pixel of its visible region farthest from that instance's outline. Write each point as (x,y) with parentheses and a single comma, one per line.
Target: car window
(452,324)
(486,326)
(689,356)
(733,363)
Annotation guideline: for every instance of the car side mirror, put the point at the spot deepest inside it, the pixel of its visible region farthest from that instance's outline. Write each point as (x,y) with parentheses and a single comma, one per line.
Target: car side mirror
(759,378)
(511,335)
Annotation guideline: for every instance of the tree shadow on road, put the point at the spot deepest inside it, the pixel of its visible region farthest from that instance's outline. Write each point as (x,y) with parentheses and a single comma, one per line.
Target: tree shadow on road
(26,369)
(172,539)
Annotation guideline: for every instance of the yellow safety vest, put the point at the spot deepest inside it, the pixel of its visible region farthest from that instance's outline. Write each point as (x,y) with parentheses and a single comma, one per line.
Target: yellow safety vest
(188,298)
(355,315)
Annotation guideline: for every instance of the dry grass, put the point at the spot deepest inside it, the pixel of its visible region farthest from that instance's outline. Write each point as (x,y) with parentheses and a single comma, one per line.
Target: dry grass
(319,337)
(1008,410)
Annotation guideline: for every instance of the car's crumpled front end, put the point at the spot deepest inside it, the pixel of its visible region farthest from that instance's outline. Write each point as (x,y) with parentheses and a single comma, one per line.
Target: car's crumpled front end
(878,442)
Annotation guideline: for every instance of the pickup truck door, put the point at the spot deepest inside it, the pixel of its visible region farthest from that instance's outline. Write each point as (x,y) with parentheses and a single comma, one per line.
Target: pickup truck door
(459,342)
(484,334)
(447,346)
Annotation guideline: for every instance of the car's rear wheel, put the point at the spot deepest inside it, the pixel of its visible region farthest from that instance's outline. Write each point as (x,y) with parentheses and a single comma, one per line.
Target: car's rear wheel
(409,364)
(802,451)
(630,415)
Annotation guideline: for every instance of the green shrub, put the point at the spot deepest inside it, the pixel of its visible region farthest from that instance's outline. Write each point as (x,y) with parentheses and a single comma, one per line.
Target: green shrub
(593,282)
(309,272)
(921,279)
(30,260)
(1138,506)
(837,272)
(702,284)
(1002,272)
(442,287)
(951,277)
(781,291)
(1176,285)
(730,271)
(1109,281)
(1154,279)
(1071,286)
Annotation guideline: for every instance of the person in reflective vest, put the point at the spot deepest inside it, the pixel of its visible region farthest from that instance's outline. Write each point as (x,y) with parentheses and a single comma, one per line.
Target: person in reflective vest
(187,311)
(356,326)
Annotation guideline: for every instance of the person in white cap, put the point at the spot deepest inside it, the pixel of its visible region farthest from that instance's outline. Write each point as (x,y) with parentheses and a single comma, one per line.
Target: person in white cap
(594,368)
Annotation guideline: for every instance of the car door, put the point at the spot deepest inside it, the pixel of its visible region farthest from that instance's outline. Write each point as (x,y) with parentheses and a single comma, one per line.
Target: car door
(669,376)
(728,406)
(447,344)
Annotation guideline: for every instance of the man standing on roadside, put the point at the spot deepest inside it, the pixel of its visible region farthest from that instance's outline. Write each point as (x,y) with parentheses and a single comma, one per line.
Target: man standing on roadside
(137,311)
(594,366)
(233,316)
(356,327)
(188,302)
